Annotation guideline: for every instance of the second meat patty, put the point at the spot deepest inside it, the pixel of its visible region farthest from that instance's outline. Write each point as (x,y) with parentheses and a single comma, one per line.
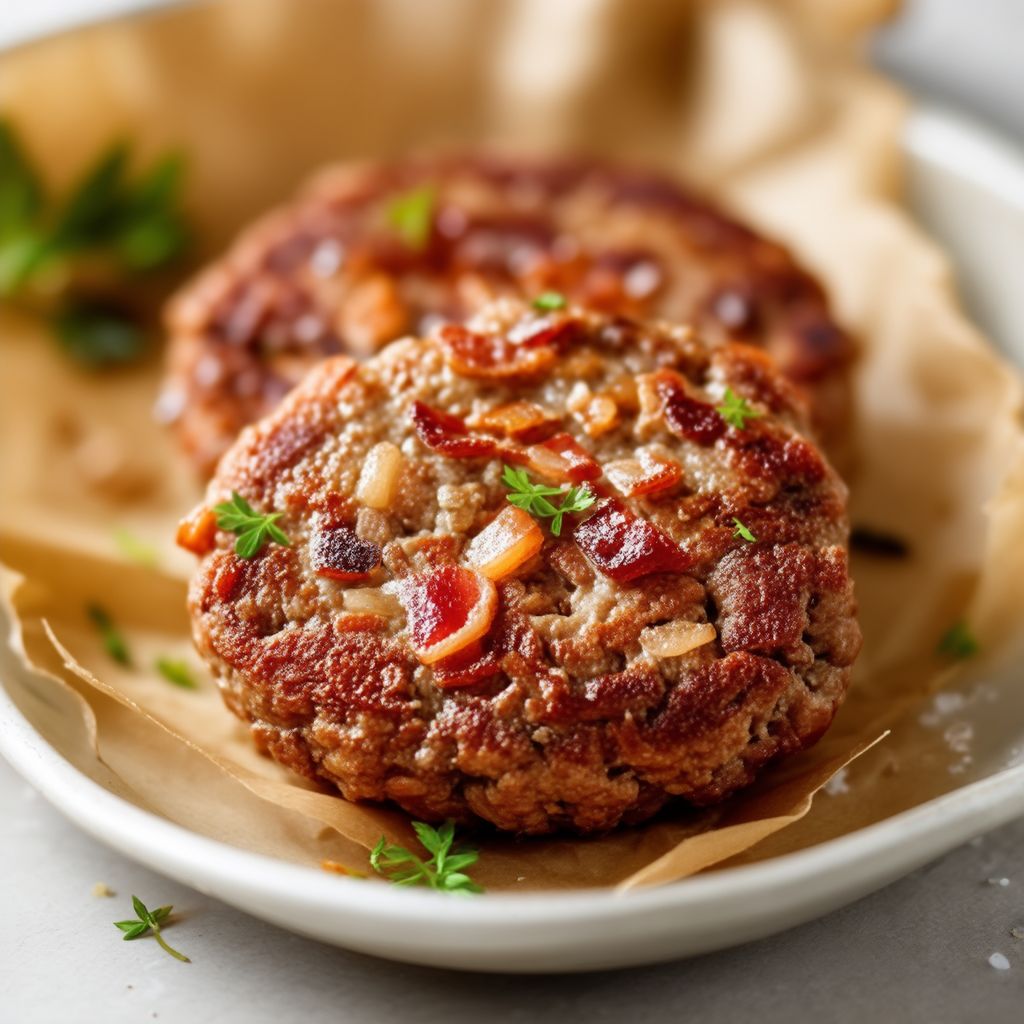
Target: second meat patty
(370,252)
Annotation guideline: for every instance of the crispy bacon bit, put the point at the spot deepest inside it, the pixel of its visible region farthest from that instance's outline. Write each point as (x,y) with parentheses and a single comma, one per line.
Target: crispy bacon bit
(624,546)
(687,416)
(521,421)
(447,434)
(467,667)
(197,531)
(510,539)
(379,475)
(597,413)
(341,554)
(646,474)
(447,609)
(484,356)
(563,458)
(675,638)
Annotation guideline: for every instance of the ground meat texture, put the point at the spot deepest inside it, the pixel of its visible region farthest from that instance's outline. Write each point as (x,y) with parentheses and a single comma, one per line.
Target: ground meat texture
(580,703)
(330,274)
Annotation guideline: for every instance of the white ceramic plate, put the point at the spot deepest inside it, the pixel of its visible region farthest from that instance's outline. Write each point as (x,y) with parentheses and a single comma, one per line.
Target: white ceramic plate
(968,188)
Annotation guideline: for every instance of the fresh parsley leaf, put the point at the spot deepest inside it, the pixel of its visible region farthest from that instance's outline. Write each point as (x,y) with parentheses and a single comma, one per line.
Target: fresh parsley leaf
(113,641)
(549,301)
(741,532)
(736,410)
(176,672)
(98,335)
(132,223)
(442,871)
(134,548)
(21,192)
(533,498)
(958,641)
(149,921)
(411,214)
(253,529)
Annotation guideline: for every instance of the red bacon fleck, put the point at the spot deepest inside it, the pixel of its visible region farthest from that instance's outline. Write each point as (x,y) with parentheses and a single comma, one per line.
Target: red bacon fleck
(687,416)
(625,546)
(447,434)
(484,356)
(564,454)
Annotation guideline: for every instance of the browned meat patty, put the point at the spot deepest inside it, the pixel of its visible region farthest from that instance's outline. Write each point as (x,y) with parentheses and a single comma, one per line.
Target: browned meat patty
(371,252)
(422,640)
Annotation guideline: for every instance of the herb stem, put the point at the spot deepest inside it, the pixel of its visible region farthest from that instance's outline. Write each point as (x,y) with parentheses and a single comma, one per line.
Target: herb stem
(167,948)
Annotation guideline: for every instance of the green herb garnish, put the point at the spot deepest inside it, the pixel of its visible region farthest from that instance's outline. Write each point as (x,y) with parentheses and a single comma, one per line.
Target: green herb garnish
(549,301)
(958,641)
(113,641)
(741,532)
(736,410)
(443,870)
(411,214)
(177,672)
(109,218)
(253,528)
(533,498)
(134,548)
(149,921)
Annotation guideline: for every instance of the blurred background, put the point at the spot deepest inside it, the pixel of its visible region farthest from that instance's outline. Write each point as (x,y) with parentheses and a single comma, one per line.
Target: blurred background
(967,55)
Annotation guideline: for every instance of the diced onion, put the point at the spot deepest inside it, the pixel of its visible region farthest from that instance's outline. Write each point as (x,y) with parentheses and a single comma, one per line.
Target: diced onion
(371,601)
(510,539)
(379,476)
(675,638)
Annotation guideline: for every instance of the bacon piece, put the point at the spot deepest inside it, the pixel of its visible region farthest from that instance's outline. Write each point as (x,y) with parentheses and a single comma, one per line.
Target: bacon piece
(447,434)
(484,356)
(447,609)
(467,667)
(340,554)
(562,458)
(520,420)
(625,546)
(687,416)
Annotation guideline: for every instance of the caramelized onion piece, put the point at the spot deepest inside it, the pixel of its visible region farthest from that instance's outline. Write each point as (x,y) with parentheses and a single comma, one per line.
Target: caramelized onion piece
(675,638)
(379,476)
(624,546)
(447,434)
(510,539)
(197,531)
(371,601)
(447,609)
(562,458)
(341,554)
(645,474)
(520,420)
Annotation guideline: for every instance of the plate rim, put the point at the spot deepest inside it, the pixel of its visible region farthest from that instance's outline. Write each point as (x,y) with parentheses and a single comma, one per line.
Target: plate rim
(871,856)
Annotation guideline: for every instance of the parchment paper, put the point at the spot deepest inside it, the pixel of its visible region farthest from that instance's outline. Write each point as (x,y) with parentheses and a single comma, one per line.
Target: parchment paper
(765,103)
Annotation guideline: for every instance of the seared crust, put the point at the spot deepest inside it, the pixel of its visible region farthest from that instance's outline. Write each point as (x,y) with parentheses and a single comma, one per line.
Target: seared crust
(327,275)
(562,719)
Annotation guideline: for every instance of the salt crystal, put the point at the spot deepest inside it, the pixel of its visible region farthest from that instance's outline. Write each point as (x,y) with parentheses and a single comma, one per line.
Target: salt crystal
(838,784)
(999,962)
(1001,882)
(326,258)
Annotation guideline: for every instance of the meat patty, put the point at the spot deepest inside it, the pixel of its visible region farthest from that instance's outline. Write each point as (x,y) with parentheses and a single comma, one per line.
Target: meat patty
(423,640)
(371,252)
